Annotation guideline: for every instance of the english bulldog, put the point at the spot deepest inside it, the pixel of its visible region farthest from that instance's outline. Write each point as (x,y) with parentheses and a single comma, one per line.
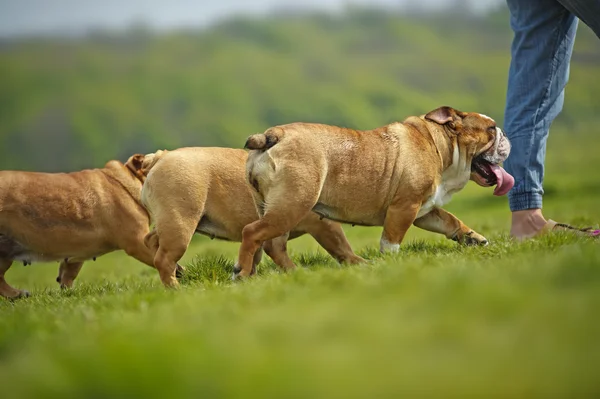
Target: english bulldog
(71,217)
(204,190)
(393,176)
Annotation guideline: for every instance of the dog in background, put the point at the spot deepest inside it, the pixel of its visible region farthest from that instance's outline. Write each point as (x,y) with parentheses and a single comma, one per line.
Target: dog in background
(71,218)
(204,190)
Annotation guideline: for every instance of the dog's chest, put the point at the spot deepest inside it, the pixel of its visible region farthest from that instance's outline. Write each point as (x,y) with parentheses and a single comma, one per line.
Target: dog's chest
(452,181)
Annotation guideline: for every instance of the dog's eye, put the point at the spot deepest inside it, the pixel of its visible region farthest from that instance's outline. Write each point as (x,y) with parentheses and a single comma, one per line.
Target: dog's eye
(492,129)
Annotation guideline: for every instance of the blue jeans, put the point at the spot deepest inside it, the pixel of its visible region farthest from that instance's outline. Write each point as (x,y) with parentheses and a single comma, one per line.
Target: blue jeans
(544,34)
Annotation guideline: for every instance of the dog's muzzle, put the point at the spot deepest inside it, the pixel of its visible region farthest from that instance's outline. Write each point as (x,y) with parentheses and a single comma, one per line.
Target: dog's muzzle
(486,166)
(500,150)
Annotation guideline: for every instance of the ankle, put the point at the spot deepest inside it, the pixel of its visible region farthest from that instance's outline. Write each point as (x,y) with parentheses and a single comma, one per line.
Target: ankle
(527,223)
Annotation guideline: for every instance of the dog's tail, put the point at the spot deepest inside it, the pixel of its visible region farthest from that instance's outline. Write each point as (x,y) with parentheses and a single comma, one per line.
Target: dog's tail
(266,140)
(141,164)
(151,159)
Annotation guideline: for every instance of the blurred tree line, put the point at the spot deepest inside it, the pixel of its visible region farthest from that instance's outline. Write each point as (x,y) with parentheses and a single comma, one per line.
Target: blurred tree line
(71,103)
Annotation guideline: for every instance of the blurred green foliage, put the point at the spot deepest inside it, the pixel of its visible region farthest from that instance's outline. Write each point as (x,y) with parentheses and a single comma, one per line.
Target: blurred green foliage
(73,103)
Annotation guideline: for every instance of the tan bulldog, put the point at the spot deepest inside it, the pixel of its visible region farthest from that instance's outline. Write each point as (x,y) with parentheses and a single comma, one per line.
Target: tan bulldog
(71,217)
(393,176)
(204,190)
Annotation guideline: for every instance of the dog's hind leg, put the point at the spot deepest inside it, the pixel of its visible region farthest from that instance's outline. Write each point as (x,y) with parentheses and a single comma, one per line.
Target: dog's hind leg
(174,229)
(6,290)
(331,237)
(256,260)
(286,205)
(277,250)
(67,272)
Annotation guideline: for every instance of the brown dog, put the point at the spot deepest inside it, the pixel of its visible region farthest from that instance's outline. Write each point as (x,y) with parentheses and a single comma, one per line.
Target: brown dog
(394,176)
(71,217)
(204,190)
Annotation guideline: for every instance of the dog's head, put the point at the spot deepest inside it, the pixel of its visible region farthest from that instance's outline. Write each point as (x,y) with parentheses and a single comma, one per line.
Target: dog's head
(484,143)
(140,165)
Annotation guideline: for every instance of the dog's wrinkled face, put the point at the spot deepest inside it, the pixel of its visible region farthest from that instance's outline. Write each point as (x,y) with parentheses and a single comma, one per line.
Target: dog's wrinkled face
(485,143)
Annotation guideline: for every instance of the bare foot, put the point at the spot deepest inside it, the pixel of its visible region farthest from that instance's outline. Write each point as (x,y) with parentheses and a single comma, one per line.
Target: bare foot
(527,223)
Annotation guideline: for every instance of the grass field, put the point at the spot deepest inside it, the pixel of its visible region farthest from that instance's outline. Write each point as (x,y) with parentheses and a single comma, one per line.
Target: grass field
(435,320)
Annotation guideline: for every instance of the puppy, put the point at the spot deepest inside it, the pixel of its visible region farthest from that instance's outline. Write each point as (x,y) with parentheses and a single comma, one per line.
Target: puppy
(393,176)
(71,217)
(204,190)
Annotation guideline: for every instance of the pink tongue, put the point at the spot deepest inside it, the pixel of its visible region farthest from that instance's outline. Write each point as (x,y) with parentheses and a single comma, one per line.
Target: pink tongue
(505,181)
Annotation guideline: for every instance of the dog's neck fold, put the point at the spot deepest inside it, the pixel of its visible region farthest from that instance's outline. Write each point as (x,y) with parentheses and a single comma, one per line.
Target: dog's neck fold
(443,142)
(119,173)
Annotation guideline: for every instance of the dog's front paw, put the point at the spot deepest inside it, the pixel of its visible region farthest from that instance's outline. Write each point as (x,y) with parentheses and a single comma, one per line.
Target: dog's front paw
(474,238)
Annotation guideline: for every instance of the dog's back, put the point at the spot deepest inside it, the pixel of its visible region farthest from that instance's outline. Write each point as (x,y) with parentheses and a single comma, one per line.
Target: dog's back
(182,177)
(197,189)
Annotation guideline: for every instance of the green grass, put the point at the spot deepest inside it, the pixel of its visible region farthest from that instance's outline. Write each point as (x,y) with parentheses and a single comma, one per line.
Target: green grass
(436,320)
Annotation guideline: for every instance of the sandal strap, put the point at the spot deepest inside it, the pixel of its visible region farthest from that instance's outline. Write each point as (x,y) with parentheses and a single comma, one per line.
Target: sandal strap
(568,226)
(552,225)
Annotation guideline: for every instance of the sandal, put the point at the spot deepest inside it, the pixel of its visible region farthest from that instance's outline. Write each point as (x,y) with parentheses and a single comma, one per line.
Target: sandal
(551,225)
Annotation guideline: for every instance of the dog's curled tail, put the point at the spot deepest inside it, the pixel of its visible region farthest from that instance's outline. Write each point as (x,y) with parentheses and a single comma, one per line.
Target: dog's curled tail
(266,140)
(151,159)
(141,164)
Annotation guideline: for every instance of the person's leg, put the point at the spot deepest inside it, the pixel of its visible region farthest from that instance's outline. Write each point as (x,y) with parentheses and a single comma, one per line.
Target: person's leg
(586,10)
(544,34)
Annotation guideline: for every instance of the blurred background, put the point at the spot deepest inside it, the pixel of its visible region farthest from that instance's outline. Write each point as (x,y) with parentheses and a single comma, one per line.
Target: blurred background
(83,82)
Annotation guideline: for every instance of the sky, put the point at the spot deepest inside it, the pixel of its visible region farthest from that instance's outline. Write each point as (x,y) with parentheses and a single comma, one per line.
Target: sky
(26,17)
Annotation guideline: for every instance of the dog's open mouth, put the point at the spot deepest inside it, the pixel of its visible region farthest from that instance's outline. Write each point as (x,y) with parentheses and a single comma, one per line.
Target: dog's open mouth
(489,174)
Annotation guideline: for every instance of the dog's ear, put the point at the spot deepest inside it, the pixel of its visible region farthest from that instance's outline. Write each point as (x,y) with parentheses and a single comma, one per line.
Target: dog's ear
(442,115)
(445,116)
(135,163)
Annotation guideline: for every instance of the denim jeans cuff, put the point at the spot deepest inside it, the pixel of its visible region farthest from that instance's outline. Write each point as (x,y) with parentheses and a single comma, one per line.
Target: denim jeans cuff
(523,201)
